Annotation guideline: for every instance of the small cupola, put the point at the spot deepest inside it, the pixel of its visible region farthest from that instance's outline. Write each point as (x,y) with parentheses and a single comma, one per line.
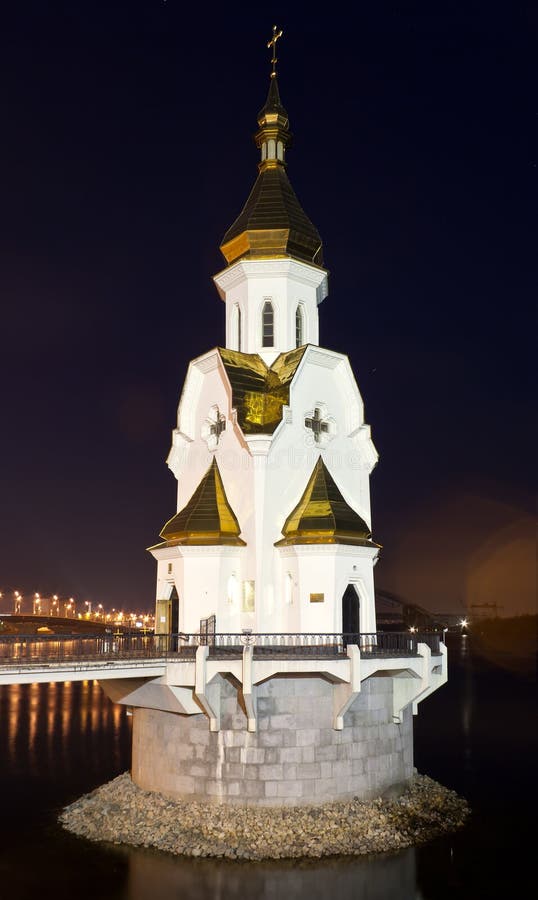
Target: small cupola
(274,135)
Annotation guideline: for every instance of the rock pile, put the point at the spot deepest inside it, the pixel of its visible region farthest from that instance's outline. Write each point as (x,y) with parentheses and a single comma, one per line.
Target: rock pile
(121,813)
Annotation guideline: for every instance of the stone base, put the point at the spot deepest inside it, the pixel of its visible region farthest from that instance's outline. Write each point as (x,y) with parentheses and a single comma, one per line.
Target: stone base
(295,757)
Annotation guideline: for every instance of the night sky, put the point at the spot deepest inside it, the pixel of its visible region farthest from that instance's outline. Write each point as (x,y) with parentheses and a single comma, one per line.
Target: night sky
(126,153)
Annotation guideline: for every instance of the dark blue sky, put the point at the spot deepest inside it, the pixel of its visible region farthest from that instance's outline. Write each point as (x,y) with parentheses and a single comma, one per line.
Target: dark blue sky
(126,153)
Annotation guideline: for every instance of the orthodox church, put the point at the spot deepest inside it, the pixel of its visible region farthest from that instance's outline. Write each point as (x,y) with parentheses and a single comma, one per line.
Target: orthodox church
(276,688)
(271,452)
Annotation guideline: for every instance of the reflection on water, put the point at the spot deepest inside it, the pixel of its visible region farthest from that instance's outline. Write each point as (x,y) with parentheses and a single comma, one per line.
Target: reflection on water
(390,877)
(43,727)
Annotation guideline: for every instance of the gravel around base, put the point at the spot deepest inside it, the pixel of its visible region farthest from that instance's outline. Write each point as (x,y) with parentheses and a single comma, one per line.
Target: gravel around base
(122,813)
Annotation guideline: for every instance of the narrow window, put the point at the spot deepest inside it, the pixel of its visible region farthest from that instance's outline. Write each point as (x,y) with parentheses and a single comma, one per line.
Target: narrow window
(236,327)
(233,588)
(299,326)
(288,589)
(268,325)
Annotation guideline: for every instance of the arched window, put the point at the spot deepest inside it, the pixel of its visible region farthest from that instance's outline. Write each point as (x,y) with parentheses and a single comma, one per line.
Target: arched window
(299,326)
(233,588)
(268,325)
(288,589)
(235,327)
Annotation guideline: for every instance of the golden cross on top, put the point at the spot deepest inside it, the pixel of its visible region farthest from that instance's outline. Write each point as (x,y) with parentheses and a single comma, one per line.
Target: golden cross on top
(272,43)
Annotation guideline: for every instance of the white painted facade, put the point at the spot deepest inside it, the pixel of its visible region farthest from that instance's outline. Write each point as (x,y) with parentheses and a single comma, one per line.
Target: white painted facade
(288,285)
(295,588)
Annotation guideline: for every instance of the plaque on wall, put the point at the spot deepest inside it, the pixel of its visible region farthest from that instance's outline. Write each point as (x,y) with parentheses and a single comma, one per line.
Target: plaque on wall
(248,596)
(317,598)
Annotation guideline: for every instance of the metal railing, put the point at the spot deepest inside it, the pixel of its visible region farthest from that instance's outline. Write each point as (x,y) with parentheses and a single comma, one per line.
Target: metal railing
(53,649)
(56,649)
(300,645)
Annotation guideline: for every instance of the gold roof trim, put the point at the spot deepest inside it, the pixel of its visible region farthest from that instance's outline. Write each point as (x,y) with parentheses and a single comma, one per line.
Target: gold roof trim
(207,519)
(259,391)
(257,244)
(322,516)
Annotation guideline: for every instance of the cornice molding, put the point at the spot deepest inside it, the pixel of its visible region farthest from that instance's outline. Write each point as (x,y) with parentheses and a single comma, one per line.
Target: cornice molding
(251,269)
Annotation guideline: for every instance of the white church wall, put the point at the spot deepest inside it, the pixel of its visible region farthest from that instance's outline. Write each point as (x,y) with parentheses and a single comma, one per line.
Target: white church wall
(231,453)
(264,478)
(206,573)
(316,588)
(284,283)
(320,574)
(287,581)
(354,565)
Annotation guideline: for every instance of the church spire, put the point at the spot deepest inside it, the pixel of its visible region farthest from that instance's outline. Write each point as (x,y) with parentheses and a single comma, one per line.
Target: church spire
(274,135)
(272,224)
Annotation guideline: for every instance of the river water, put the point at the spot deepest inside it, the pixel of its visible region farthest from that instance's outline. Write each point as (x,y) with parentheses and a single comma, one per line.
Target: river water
(476,735)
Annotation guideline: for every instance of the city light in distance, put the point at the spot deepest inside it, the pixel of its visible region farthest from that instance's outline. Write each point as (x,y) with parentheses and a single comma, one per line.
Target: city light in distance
(14,602)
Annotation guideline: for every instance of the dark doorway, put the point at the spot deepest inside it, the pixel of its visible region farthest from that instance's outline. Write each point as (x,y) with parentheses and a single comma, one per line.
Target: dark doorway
(174,618)
(351,611)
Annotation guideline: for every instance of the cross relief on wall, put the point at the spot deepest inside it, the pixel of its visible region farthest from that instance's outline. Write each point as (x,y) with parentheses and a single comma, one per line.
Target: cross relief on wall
(321,426)
(213,427)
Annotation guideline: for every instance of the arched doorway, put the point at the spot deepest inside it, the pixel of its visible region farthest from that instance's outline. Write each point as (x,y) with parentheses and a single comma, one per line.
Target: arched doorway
(351,611)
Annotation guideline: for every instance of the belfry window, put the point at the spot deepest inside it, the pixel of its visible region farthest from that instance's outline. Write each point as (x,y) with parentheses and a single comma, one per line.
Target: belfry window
(268,325)
(299,326)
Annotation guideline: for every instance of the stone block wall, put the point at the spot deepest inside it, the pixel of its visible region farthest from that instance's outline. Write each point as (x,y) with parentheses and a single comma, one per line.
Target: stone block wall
(295,756)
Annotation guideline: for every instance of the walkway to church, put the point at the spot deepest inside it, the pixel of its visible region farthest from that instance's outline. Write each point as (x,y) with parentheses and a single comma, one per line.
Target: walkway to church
(24,652)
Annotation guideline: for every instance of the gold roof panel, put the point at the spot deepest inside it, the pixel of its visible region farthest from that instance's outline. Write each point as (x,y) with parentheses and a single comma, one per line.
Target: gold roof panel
(272,223)
(322,516)
(207,518)
(259,391)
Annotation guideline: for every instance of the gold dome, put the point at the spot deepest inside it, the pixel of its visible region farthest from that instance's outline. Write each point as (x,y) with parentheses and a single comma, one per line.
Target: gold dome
(207,518)
(322,516)
(272,223)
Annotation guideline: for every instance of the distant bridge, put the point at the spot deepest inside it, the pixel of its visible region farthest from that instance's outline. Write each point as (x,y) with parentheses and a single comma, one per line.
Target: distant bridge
(30,624)
(393,611)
